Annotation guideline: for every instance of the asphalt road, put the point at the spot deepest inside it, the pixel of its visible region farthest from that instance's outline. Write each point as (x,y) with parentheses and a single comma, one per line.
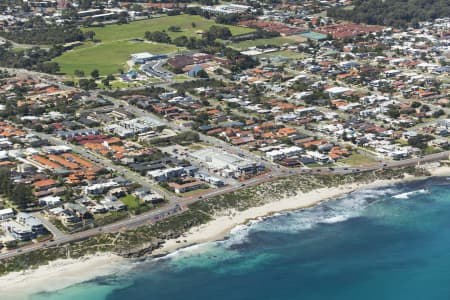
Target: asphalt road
(181,203)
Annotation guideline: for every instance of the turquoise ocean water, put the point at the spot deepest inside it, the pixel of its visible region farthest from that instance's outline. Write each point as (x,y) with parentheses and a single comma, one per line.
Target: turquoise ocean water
(385,243)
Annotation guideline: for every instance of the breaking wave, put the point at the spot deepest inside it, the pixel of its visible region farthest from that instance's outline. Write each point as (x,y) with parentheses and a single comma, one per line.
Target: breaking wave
(408,194)
(328,212)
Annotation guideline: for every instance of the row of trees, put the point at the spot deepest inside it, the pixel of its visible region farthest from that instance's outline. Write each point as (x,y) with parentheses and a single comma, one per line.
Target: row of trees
(214,32)
(397,13)
(34,58)
(44,35)
(207,44)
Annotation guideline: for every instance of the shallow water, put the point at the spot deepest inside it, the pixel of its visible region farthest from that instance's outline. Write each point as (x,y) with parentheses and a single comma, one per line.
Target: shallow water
(384,243)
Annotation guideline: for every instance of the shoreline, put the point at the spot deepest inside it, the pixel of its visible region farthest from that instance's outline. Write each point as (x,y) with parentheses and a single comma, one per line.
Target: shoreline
(63,273)
(221,226)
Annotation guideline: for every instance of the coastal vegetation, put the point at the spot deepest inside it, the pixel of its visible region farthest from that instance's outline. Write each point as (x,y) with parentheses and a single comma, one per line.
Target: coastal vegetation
(144,239)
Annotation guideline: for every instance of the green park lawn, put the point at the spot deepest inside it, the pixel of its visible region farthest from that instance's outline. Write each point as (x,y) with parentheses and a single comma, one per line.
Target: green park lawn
(108,58)
(137,29)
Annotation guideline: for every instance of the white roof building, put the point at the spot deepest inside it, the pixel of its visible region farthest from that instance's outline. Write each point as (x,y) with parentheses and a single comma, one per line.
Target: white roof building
(6,214)
(50,201)
(337,90)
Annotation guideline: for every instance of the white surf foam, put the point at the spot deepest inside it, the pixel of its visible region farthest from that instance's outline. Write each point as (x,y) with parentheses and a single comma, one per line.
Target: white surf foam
(330,212)
(408,194)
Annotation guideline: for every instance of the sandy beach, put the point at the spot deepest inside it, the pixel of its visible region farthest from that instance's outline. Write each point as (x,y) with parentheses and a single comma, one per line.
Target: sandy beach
(222,224)
(57,275)
(66,272)
(439,170)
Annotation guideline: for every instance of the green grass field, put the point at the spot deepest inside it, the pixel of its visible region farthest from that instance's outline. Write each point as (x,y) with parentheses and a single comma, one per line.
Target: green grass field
(106,57)
(285,53)
(137,29)
(131,202)
(115,47)
(357,159)
(276,41)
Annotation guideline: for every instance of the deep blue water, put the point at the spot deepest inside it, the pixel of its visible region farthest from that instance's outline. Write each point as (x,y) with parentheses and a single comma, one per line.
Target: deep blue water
(372,244)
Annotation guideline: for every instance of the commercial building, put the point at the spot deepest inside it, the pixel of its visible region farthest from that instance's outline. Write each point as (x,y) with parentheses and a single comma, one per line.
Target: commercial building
(226,164)
(186,187)
(226,9)
(166,174)
(143,57)
(32,222)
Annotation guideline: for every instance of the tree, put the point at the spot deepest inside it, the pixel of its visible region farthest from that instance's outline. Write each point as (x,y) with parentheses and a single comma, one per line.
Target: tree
(5,181)
(174,28)
(393,112)
(228,19)
(217,32)
(87,84)
(106,82)
(202,74)
(49,67)
(420,141)
(22,196)
(425,108)
(181,41)
(79,73)
(89,35)
(95,74)
(158,36)
(415,104)
(438,113)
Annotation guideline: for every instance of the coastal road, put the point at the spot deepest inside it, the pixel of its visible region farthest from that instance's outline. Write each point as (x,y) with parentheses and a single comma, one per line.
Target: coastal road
(169,210)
